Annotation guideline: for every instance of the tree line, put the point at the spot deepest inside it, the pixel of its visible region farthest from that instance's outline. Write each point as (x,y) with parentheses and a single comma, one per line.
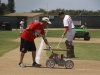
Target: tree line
(10,8)
(70,12)
(7,8)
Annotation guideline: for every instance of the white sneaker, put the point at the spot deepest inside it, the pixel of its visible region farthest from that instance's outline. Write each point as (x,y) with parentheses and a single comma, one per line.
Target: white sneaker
(22,65)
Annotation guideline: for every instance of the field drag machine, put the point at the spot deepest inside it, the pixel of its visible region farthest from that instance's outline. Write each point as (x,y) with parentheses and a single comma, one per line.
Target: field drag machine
(58,59)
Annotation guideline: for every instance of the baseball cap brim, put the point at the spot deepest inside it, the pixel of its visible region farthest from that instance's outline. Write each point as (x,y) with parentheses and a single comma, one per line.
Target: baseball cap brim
(46,19)
(49,22)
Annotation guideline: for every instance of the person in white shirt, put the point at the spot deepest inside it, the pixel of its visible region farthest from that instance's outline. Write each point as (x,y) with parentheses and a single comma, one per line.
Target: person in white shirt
(83,26)
(21,26)
(69,29)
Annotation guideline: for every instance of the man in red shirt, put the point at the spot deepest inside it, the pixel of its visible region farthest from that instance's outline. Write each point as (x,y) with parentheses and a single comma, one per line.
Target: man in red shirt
(33,31)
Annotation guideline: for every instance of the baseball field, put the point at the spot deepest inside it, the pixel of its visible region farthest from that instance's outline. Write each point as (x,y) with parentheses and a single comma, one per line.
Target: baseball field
(87,61)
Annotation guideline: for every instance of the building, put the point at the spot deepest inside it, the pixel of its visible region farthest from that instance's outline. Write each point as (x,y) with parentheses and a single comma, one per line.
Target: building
(15,18)
(30,16)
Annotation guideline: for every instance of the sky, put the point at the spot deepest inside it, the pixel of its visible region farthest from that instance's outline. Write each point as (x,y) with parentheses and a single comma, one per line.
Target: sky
(28,5)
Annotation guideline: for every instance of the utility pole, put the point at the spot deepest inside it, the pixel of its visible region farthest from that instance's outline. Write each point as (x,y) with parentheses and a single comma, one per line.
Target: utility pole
(47,9)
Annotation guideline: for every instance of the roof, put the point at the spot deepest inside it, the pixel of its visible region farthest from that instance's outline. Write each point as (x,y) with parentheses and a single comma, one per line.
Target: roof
(24,14)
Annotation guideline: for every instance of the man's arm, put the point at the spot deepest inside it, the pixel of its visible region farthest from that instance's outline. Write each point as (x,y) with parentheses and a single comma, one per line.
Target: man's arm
(45,40)
(64,34)
(66,29)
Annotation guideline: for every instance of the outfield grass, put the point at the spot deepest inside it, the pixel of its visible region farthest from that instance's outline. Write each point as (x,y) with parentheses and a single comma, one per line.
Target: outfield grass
(83,51)
(94,33)
(54,33)
(58,33)
(5,41)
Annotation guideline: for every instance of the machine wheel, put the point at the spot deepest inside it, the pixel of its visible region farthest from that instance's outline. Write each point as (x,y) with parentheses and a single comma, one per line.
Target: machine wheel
(87,38)
(50,63)
(69,64)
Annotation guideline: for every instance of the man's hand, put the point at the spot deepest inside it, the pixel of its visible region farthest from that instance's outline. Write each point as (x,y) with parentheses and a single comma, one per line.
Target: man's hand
(36,34)
(62,36)
(49,47)
(46,42)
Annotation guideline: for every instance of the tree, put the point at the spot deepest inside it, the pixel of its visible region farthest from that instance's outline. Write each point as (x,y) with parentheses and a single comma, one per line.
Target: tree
(69,12)
(7,8)
(6,11)
(11,6)
(2,8)
(39,11)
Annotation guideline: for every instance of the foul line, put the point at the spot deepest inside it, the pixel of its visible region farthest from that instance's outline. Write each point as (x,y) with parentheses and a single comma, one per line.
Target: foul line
(40,49)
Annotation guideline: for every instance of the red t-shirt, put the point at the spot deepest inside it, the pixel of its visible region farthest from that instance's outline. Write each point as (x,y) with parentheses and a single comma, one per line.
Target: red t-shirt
(35,27)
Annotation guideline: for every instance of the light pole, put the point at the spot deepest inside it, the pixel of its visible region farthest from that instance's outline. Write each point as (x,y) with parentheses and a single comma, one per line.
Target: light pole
(47,9)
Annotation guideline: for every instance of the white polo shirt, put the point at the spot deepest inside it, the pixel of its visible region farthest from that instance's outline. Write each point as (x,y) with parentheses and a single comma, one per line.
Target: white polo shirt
(22,24)
(67,21)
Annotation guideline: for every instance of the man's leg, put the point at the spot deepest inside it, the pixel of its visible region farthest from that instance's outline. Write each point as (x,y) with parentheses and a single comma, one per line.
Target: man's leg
(33,56)
(21,57)
(70,46)
(23,50)
(21,60)
(32,48)
(34,62)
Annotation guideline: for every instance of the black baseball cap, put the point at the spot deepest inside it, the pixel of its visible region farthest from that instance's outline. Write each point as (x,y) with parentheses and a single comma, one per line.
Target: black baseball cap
(60,13)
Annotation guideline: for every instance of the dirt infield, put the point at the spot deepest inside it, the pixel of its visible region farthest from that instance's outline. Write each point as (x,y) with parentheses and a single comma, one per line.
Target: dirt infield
(9,64)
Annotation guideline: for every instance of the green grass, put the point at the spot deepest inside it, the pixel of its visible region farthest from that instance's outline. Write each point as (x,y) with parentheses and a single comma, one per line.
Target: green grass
(54,33)
(83,51)
(58,33)
(6,44)
(94,33)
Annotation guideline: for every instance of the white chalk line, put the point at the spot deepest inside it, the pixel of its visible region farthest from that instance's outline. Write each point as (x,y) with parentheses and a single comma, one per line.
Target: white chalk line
(39,51)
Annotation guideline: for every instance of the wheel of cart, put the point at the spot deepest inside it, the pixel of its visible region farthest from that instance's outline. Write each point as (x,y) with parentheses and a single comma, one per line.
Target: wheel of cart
(50,63)
(69,64)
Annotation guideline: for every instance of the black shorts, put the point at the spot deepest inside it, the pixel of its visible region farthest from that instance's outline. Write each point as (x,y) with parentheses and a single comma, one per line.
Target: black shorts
(27,46)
